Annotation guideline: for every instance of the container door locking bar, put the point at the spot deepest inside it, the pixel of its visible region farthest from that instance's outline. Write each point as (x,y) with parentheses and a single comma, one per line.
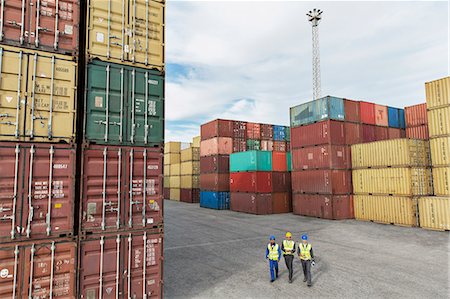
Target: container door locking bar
(121,105)
(2,10)
(100,289)
(38,14)
(50,118)
(33,94)
(55,44)
(16,262)
(30,191)
(133,124)
(117,265)
(22,24)
(30,289)
(129,266)
(146,109)
(107,96)
(144,194)
(144,267)
(50,185)
(19,86)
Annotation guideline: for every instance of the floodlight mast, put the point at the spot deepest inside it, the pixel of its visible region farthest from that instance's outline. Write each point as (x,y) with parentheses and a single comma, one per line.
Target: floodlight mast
(314,17)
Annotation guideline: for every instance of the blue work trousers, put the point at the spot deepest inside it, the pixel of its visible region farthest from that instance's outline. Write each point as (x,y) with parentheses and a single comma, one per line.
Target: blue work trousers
(273,269)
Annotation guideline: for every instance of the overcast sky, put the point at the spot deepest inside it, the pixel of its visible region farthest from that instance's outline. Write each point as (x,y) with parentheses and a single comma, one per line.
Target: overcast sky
(252,60)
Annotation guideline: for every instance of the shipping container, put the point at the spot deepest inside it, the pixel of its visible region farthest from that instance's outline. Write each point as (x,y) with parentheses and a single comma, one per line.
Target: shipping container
(394,117)
(352,111)
(441,181)
(381,133)
(190,195)
(121,188)
(175,181)
(280,146)
(266,145)
(215,200)
(394,133)
(402,119)
(416,115)
(216,146)
(122,265)
(438,122)
(167,170)
(367,113)
(253,131)
(172,147)
(37,100)
(217,128)
(50,26)
(419,132)
(255,182)
(353,133)
(252,203)
(190,181)
(175,194)
(440,151)
(281,182)
(381,115)
(334,207)
(322,181)
(279,133)
(239,145)
(170,159)
(325,132)
(438,93)
(127,32)
(325,108)
(215,181)
(196,141)
(368,133)
(279,162)
(217,164)
(124,105)
(190,168)
(166,182)
(253,145)
(281,203)
(434,212)
(393,181)
(391,153)
(37,191)
(175,169)
(266,132)
(289,161)
(166,192)
(398,210)
(251,161)
(239,129)
(322,157)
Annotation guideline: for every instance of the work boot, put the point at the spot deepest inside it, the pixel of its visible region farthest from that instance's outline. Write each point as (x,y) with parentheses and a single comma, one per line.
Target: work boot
(276,274)
(309,284)
(272,280)
(290,280)
(304,279)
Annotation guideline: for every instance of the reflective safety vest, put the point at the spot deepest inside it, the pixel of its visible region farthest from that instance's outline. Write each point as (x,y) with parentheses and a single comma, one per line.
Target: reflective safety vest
(305,251)
(288,245)
(273,252)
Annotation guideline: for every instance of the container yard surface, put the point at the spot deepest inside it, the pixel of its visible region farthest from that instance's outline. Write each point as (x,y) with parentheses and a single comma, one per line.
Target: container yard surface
(220,254)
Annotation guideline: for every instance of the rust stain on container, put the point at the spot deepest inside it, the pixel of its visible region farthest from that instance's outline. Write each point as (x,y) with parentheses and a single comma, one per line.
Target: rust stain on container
(281,182)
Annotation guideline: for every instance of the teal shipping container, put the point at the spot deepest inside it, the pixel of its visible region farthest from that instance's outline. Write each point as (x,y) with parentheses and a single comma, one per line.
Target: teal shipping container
(251,161)
(321,109)
(124,105)
(253,145)
(288,161)
(287,133)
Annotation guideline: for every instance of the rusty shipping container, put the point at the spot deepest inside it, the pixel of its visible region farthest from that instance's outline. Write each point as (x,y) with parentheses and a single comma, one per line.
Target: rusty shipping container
(190,195)
(255,181)
(381,115)
(266,132)
(215,164)
(239,145)
(367,113)
(334,207)
(37,194)
(281,181)
(239,129)
(280,146)
(353,133)
(253,131)
(368,133)
(41,25)
(122,265)
(381,133)
(216,128)
(121,188)
(419,132)
(416,115)
(281,202)
(322,157)
(215,181)
(322,181)
(252,203)
(325,132)
(216,146)
(38,269)
(394,133)
(352,111)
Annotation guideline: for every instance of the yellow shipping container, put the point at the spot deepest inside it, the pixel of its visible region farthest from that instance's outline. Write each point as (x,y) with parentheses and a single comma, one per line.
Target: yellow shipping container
(190,154)
(37,96)
(175,169)
(439,122)
(126,32)
(172,147)
(174,194)
(386,209)
(171,159)
(190,181)
(196,141)
(395,152)
(395,181)
(174,181)
(166,182)
(190,167)
(434,212)
(167,170)
(438,93)
(441,181)
(440,151)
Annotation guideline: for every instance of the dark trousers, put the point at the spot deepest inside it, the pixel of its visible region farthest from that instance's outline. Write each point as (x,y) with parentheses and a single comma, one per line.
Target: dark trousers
(306,265)
(288,258)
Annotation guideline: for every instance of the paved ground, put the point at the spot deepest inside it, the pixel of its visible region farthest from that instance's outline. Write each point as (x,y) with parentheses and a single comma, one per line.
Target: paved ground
(220,254)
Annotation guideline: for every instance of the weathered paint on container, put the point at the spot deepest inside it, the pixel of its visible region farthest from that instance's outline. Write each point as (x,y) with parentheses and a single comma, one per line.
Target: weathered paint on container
(321,157)
(280,146)
(440,151)
(392,181)
(217,128)
(381,133)
(352,111)
(367,113)
(334,207)
(175,169)
(438,93)
(175,194)
(127,32)
(321,109)
(251,161)
(281,202)
(266,132)
(266,145)
(37,100)
(190,195)
(239,145)
(215,181)
(256,182)
(322,181)
(215,200)
(190,181)
(416,115)
(398,210)
(215,164)
(172,147)
(190,168)
(239,129)
(394,117)
(434,212)
(326,132)
(253,145)
(279,163)
(216,146)
(252,203)
(391,153)
(394,133)
(175,181)
(124,105)
(281,182)
(441,181)
(419,132)
(170,159)
(438,122)
(368,133)
(253,131)
(353,133)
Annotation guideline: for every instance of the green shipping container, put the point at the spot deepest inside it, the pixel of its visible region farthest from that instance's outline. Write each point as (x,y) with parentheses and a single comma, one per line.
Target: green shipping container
(251,161)
(288,160)
(124,105)
(253,145)
(287,133)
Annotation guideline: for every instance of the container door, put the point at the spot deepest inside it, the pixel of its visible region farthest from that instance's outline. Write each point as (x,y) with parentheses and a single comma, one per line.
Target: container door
(12,26)
(9,271)
(13,70)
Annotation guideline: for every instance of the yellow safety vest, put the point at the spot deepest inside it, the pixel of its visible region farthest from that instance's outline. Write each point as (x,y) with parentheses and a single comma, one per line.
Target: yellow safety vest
(288,245)
(273,252)
(305,252)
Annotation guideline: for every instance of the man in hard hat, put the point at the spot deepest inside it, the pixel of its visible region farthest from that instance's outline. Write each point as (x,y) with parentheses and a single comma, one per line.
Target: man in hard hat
(273,253)
(305,252)
(288,249)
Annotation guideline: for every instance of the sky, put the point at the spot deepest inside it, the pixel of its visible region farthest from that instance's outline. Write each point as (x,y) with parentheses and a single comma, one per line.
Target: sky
(252,60)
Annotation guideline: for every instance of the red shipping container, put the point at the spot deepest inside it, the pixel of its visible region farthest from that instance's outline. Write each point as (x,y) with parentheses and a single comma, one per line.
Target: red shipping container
(394,133)
(240,129)
(37,181)
(253,131)
(215,164)
(368,133)
(217,128)
(419,132)
(279,162)
(322,181)
(252,203)
(325,132)
(281,203)
(166,193)
(367,113)
(239,145)
(381,115)
(416,115)
(322,157)
(280,146)
(190,195)
(257,182)
(127,265)
(44,27)
(266,132)
(215,181)
(334,207)
(281,181)
(122,188)
(353,133)
(352,111)
(216,146)
(381,133)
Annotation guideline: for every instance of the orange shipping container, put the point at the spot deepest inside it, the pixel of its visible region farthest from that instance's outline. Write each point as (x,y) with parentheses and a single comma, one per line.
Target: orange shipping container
(416,115)
(419,132)
(216,146)
(381,115)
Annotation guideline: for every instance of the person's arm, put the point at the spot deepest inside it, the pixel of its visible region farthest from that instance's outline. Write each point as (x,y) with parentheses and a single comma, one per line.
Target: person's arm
(282,247)
(293,249)
(267,253)
(312,253)
(279,253)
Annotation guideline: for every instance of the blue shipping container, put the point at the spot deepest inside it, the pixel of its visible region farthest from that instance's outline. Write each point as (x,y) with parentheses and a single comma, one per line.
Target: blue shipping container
(402,118)
(279,133)
(321,109)
(215,200)
(393,117)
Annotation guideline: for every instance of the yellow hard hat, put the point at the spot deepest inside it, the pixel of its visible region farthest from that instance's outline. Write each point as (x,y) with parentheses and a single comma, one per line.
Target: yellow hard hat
(288,234)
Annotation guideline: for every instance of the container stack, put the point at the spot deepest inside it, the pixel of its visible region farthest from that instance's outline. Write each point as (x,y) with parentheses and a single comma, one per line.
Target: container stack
(417,122)
(121,206)
(435,210)
(172,169)
(38,112)
(388,178)
(260,183)
(190,171)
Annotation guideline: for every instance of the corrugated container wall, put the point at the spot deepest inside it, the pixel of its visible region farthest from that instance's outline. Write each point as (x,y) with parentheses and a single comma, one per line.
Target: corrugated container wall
(251,161)
(323,206)
(216,128)
(440,151)
(434,212)
(215,200)
(367,113)
(381,115)
(325,108)
(438,93)
(416,115)
(438,122)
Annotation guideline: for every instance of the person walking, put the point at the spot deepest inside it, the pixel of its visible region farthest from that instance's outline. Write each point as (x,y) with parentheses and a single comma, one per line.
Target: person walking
(306,255)
(273,253)
(288,249)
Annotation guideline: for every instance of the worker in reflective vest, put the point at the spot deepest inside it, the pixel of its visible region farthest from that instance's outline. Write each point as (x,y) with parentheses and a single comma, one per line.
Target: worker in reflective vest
(273,253)
(306,255)
(288,249)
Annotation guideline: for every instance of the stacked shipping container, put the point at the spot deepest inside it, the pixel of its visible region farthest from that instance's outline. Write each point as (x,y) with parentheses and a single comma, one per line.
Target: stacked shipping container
(190,171)
(172,168)
(417,122)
